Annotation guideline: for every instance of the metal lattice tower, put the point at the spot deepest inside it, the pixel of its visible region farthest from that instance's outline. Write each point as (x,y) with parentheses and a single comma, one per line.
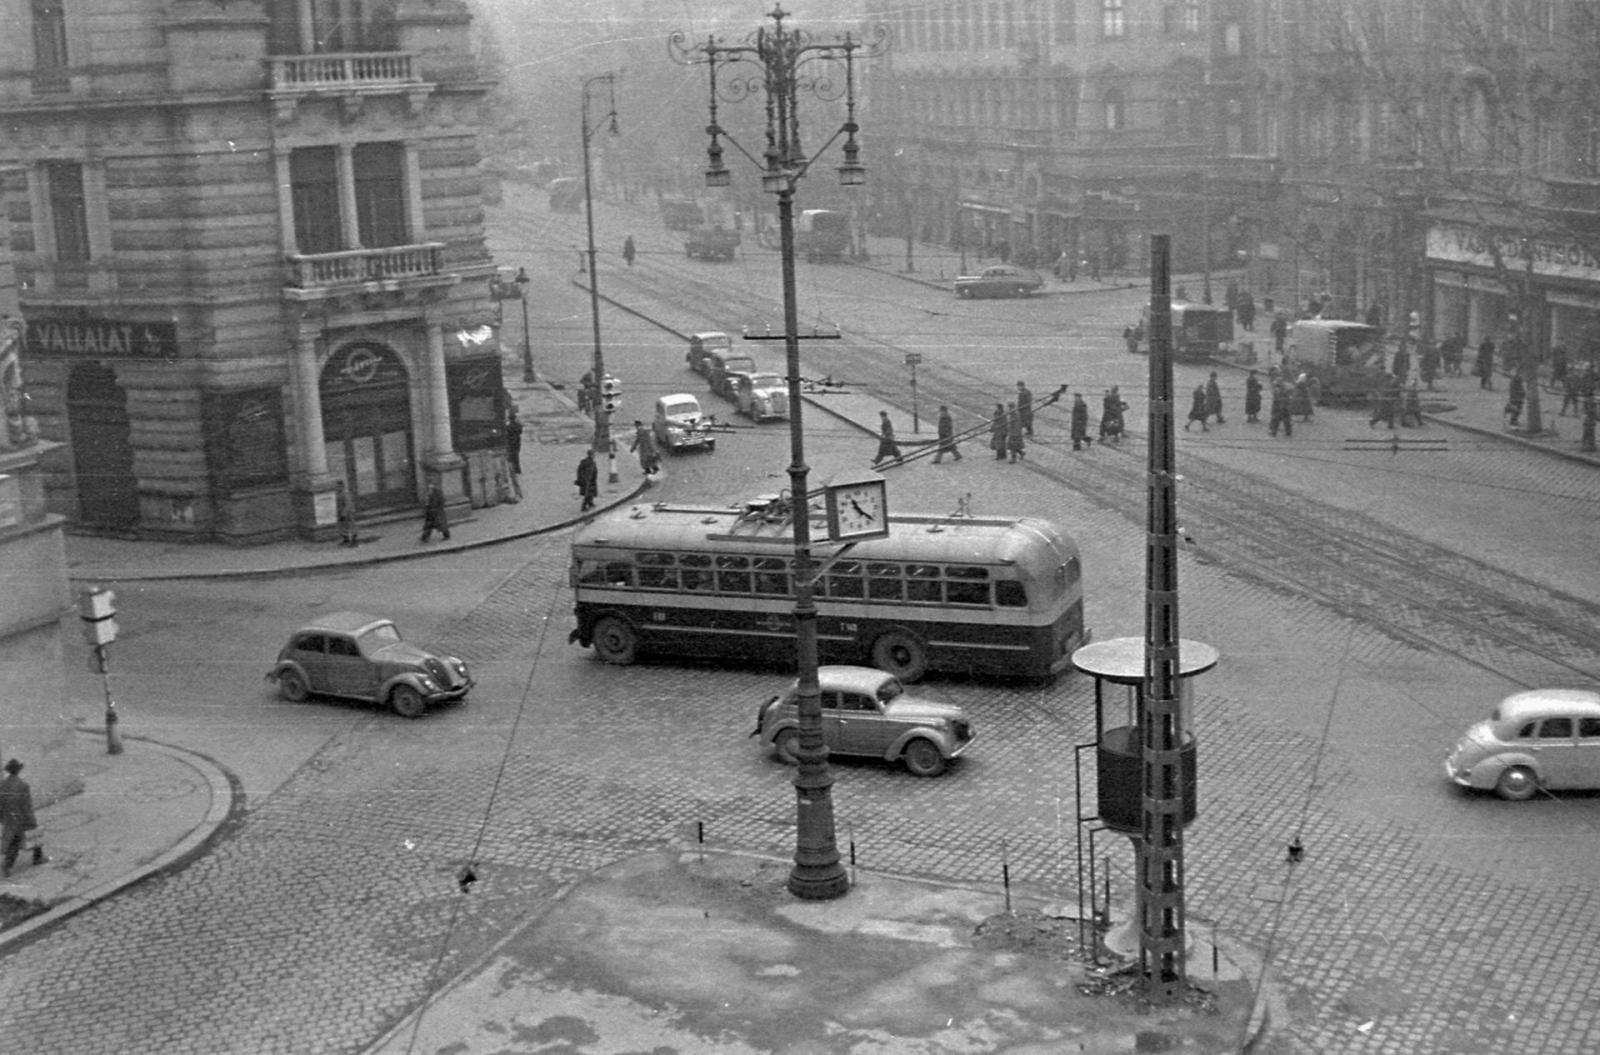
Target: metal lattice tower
(1160,847)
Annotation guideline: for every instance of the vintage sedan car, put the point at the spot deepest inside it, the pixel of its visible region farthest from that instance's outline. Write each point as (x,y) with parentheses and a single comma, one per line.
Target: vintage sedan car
(1001,280)
(1542,739)
(867,712)
(680,425)
(721,365)
(701,345)
(362,657)
(761,396)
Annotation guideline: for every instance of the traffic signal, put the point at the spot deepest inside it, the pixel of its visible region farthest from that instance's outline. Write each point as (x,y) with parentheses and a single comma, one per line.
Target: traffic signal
(611,393)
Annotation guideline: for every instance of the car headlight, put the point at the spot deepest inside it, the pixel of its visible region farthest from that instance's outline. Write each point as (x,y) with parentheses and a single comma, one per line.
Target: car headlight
(428,684)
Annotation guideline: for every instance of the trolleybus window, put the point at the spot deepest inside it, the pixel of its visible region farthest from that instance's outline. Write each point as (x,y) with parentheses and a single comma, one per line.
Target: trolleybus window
(845,580)
(883,582)
(772,575)
(733,575)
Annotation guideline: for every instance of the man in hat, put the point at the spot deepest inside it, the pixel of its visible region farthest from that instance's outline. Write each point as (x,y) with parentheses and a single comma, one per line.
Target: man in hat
(16,815)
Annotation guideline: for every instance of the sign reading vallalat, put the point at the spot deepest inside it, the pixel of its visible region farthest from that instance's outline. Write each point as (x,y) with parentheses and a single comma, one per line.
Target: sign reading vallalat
(103,338)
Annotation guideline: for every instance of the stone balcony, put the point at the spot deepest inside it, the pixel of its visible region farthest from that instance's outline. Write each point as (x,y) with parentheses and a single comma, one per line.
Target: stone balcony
(395,268)
(347,76)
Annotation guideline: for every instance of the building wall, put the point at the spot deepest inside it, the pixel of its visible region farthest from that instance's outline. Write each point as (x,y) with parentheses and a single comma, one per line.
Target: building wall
(182,121)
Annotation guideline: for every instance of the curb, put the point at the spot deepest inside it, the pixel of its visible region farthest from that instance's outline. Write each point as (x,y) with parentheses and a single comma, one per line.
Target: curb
(227,799)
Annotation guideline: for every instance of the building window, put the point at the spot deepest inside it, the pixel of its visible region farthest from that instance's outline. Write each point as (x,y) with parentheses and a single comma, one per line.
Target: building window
(314,193)
(1190,21)
(381,194)
(49,46)
(69,213)
(1113,19)
(1232,40)
(1116,110)
(1066,21)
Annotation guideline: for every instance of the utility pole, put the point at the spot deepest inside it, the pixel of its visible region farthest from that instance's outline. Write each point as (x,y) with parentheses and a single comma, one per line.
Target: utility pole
(602,412)
(1160,847)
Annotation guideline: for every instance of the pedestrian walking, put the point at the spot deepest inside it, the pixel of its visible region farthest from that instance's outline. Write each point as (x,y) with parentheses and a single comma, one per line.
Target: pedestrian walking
(1016,438)
(1281,410)
(514,449)
(1452,350)
(1280,332)
(997,433)
(644,444)
(588,479)
(1572,392)
(1025,408)
(1401,365)
(346,507)
(1485,364)
(1411,407)
(888,449)
(1214,399)
(586,392)
(1246,310)
(1514,399)
(16,816)
(1428,364)
(1197,410)
(947,436)
(434,517)
(1252,398)
(1304,399)
(1130,340)
(1080,422)
(1111,423)
(1385,401)
(629,251)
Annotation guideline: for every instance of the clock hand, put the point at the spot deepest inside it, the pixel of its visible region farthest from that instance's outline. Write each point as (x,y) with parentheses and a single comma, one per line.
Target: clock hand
(861,512)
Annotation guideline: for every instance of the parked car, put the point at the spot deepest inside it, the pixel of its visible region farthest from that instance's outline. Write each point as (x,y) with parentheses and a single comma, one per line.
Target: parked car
(1542,739)
(711,243)
(761,396)
(867,712)
(1001,280)
(721,363)
(362,657)
(680,425)
(701,345)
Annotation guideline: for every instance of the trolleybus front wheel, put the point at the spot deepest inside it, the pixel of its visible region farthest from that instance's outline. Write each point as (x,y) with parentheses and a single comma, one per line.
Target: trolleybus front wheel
(615,641)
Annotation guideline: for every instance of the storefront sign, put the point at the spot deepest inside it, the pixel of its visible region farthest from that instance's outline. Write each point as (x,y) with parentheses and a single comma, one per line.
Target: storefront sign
(102,338)
(1550,257)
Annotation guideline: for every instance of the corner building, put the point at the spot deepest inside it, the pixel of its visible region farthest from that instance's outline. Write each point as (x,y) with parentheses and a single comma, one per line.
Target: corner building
(249,245)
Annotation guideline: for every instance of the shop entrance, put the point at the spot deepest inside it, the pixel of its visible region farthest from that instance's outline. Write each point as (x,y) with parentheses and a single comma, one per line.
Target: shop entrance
(366,426)
(102,448)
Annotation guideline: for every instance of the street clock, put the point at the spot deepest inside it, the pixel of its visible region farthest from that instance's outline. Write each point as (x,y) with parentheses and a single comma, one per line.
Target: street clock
(857,508)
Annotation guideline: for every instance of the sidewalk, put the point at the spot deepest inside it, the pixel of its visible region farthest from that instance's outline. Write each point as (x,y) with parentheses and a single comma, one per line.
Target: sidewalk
(553,441)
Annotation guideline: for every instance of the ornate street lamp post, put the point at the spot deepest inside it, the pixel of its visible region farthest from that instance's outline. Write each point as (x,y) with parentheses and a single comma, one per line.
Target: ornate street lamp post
(781,63)
(602,413)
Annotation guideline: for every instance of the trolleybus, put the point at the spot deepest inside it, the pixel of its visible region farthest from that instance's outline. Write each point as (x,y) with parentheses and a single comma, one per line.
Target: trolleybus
(987,595)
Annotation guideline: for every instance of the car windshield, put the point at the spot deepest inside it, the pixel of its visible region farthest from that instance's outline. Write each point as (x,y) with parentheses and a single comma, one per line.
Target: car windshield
(766,381)
(688,407)
(379,636)
(889,690)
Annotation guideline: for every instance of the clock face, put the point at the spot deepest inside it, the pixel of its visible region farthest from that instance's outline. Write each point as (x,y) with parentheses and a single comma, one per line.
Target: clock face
(858,510)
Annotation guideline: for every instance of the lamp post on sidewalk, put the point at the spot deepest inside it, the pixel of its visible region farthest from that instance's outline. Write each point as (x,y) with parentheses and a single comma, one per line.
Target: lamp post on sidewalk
(529,375)
(602,413)
(786,62)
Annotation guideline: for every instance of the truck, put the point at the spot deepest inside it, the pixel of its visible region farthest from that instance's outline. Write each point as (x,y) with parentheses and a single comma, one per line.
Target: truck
(711,243)
(681,214)
(1345,359)
(822,234)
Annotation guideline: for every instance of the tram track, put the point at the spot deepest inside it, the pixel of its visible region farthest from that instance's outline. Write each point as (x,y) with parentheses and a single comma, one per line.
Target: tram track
(1419,592)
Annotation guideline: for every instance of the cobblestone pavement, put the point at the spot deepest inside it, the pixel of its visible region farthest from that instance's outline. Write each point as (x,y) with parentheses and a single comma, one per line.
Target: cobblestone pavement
(333,908)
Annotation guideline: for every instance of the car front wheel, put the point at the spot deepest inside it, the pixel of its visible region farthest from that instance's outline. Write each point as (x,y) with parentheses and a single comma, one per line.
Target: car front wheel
(292,686)
(615,641)
(922,758)
(1517,784)
(407,702)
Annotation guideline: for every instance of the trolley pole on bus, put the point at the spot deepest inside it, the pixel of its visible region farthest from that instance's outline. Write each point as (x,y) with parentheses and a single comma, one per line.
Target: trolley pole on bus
(775,62)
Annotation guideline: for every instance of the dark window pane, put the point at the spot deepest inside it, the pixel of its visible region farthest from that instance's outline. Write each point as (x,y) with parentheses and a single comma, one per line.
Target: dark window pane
(1588,727)
(314,196)
(1556,729)
(381,194)
(69,215)
(967,593)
